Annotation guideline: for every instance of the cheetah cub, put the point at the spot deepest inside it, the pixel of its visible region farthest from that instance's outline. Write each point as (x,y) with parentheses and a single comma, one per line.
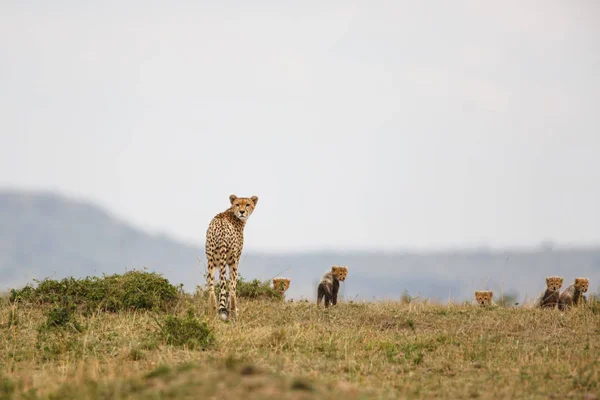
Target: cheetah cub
(224,243)
(281,285)
(484,298)
(330,285)
(574,294)
(549,299)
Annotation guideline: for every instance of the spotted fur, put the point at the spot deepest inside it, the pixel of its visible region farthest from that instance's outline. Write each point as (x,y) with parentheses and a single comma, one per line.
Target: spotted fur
(281,284)
(224,243)
(330,285)
(549,299)
(573,296)
(484,298)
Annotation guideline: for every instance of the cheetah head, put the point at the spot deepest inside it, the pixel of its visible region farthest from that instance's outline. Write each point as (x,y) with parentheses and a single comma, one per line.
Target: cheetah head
(243,206)
(554,283)
(339,272)
(281,284)
(582,284)
(484,297)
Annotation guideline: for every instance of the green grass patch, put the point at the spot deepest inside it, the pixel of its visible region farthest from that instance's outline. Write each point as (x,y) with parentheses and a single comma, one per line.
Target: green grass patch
(189,331)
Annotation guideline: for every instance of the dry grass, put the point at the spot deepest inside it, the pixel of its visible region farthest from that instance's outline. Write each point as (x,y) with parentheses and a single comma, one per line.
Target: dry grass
(296,350)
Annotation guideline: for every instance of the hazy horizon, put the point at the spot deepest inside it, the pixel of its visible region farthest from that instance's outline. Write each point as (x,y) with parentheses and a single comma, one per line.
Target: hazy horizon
(545,245)
(359,125)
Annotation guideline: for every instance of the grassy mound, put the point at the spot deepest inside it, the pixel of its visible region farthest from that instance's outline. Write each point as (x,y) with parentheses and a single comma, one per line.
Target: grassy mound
(134,290)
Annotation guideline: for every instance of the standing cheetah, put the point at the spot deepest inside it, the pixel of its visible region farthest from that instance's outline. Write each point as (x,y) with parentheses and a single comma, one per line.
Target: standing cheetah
(330,285)
(224,243)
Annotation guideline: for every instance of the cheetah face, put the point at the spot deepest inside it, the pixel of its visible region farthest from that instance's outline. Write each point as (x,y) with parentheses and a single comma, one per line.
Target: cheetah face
(243,206)
(340,272)
(554,283)
(484,297)
(582,284)
(281,284)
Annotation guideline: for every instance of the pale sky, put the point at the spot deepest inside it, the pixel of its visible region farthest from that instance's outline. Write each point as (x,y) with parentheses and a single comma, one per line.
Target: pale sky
(358,124)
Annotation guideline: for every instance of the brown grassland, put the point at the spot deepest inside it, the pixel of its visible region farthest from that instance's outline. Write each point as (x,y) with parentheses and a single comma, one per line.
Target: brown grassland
(295,350)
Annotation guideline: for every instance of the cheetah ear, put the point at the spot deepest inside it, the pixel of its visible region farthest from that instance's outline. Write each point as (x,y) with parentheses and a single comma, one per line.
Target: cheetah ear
(232,198)
(491,294)
(334,268)
(254,200)
(547,280)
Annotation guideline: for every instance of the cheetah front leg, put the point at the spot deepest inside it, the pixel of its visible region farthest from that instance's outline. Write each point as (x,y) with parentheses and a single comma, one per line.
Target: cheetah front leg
(335,291)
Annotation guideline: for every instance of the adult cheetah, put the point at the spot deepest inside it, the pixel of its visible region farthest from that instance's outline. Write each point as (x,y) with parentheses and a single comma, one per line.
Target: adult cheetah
(224,243)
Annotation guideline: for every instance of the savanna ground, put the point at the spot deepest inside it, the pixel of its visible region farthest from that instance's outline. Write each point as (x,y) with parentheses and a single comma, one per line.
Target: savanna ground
(137,336)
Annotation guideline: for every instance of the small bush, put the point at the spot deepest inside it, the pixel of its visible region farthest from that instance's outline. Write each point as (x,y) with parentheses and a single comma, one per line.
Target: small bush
(62,317)
(134,290)
(189,331)
(254,289)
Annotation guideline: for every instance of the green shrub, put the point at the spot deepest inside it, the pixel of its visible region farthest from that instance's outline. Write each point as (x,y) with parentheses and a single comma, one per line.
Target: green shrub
(134,290)
(189,331)
(62,317)
(256,289)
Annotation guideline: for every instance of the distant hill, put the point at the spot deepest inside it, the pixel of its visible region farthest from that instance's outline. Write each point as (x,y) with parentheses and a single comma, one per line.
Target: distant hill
(48,235)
